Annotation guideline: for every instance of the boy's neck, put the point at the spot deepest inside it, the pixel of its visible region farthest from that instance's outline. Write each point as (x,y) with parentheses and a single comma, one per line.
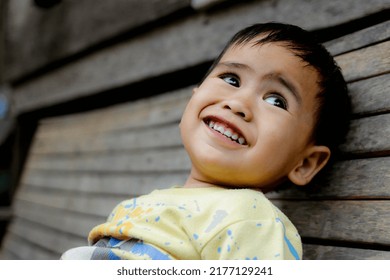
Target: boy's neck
(192,182)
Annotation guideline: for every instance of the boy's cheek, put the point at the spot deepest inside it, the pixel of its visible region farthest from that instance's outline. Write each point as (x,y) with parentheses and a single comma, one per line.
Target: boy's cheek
(308,119)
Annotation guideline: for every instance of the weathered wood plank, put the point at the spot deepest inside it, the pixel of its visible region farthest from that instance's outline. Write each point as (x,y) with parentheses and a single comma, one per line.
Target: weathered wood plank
(368,135)
(159,110)
(318,252)
(21,249)
(5,254)
(176,46)
(350,179)
(70,222)
(370,96)
(114,184)
(163,136)
(353,221)
(370,61)
(70,27)
(84,203)
(43,237)
(137,161)
(359,39)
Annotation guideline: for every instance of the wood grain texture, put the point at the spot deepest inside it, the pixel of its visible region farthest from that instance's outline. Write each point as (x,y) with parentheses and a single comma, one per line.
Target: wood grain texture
(318,252)
(18,248)
(84,203)
(71,27)
(54,241)
(146,112)
(366,62)
(69,222)
(350,179)
(159,160)
(359,39)
(162,136)
(175,46)
(368,135)
(370,96)
(105,183)
(352,221)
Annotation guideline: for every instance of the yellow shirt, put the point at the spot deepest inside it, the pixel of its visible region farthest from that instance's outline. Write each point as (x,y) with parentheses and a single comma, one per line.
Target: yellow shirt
(201,223)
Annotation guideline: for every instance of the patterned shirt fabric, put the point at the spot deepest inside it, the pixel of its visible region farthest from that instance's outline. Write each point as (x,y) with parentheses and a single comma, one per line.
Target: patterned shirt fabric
(194,224)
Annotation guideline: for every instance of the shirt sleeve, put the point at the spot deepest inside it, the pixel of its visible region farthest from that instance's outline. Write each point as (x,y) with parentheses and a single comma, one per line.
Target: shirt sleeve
(254,240)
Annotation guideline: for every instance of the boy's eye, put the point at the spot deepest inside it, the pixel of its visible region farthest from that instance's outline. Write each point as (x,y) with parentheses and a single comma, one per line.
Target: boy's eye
(231,79)
(276,100)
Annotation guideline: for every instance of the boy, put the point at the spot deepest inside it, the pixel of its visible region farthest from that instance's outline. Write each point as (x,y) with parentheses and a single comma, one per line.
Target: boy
(271,109)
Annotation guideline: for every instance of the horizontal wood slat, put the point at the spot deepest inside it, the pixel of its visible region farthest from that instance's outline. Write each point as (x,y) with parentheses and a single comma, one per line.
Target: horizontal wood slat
(79,203)
(74,24)
(318,252)
(114,183)
(155,111)
(367,62)
(163,136)
(18,248)
(53,241)
(368,135)
(174,159)
(359,39)
(175,46)
(352,221)
(350,179)
(69,222)
(370,96)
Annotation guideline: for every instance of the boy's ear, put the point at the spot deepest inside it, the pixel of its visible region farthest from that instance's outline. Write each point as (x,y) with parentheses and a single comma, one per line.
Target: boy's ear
(313,161)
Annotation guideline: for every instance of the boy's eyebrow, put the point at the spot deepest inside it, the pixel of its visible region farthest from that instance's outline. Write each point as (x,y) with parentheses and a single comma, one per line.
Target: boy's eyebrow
(286,83)
(233,65)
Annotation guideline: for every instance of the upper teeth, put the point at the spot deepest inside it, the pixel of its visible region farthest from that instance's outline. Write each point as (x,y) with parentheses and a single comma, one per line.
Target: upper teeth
(227,132)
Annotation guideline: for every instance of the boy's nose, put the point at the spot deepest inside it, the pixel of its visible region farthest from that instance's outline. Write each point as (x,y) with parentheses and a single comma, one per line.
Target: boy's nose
(239,108)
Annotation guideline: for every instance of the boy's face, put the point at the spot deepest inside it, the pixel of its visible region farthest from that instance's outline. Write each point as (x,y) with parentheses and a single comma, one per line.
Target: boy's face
(250,122)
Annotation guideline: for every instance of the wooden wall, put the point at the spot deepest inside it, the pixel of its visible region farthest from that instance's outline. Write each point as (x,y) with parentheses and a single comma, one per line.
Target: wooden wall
(81,164)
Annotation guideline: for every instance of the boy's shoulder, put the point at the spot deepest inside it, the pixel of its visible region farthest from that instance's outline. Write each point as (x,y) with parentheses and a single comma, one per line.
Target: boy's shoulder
(239,204)
(243,202)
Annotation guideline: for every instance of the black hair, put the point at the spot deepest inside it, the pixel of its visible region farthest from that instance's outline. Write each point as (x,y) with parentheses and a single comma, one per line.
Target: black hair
(333,110)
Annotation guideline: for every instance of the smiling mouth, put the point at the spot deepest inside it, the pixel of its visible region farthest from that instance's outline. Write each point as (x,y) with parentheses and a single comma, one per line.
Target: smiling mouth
(226,130)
